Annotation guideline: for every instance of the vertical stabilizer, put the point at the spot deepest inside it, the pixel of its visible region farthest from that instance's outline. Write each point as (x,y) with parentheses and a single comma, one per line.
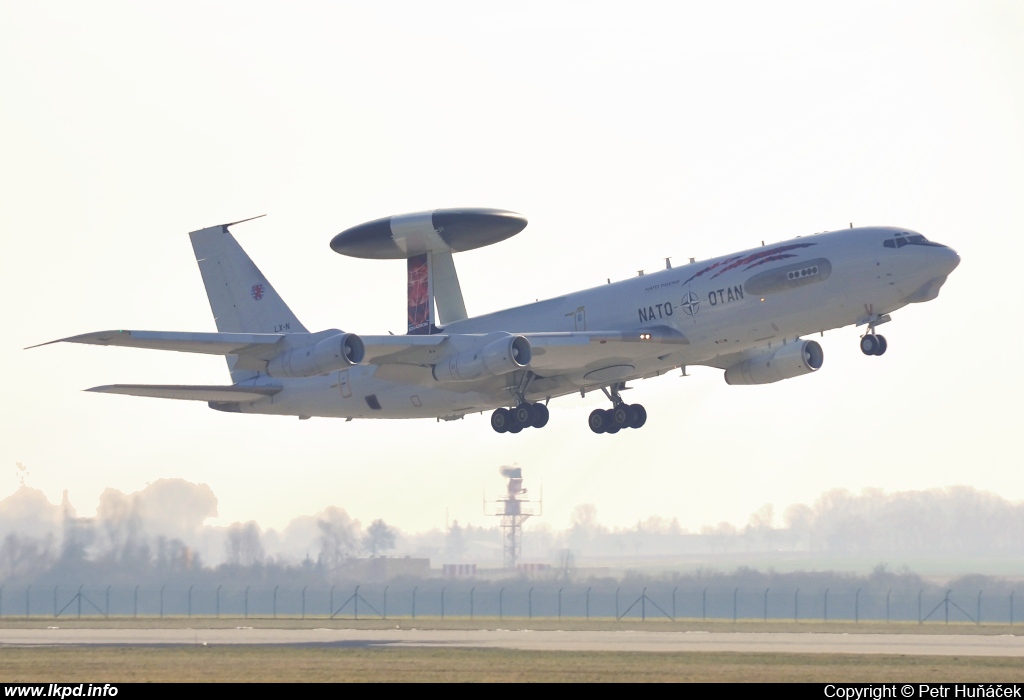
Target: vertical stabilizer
(241,298)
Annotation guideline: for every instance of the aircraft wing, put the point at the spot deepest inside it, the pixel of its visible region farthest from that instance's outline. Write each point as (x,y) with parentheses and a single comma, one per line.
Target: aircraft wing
(562,352)
(191,392)
(402,349)
(257,345)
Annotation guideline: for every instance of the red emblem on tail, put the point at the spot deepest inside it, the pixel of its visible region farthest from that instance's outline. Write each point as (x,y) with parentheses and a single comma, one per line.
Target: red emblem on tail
(257,291)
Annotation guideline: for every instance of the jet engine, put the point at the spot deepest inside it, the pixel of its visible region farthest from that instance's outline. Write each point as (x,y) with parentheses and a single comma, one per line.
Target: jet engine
(496,358)
(791,360)
(335,352)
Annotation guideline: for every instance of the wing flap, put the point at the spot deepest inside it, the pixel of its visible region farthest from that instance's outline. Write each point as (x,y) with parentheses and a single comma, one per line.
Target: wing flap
(572,351)
(191,392)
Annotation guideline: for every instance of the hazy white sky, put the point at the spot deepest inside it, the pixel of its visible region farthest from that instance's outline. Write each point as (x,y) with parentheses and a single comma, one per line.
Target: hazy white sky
(625,133)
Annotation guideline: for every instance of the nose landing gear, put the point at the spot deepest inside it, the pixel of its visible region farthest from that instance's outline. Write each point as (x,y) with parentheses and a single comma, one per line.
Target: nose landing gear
(873,344)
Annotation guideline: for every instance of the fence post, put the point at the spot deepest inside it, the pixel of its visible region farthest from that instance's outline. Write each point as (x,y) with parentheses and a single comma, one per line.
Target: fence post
(735,595)
(947,604)
(856,607)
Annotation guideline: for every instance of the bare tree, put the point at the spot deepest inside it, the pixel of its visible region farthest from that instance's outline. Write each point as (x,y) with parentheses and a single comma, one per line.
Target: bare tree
(379,537)
(243,547)
(338,537)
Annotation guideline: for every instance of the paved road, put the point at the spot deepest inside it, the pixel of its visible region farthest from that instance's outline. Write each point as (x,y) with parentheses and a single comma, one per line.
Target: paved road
(639,640)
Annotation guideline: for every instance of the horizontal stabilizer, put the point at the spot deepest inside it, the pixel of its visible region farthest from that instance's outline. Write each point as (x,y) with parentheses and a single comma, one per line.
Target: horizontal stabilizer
(256,344)
(191,392)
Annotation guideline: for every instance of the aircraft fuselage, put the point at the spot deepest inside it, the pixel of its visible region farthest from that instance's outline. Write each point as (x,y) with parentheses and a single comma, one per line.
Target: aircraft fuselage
(723,307)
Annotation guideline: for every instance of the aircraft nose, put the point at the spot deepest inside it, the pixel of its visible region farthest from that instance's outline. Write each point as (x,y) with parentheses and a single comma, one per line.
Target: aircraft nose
(950,260)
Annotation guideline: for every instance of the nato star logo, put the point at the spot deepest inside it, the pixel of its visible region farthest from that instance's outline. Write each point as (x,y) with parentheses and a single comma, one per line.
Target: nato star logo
(690,304)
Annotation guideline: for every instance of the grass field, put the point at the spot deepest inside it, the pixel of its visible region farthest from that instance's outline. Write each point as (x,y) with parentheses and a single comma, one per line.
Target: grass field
(103,664)
(333,664)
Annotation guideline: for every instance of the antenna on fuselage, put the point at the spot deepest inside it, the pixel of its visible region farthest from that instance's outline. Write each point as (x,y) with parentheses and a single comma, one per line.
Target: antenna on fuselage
(668,263)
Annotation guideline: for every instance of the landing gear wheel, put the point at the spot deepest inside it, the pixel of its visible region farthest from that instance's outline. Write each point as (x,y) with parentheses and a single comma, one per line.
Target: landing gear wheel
(612,430)
(501,420)
(597,421)
(620,416)
(538,415)
(637,416)
(869,345)
(515,428)
(522,414)
(882,345)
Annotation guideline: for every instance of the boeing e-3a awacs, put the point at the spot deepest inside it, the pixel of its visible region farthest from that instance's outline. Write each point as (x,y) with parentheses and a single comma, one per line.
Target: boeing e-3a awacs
(744,313)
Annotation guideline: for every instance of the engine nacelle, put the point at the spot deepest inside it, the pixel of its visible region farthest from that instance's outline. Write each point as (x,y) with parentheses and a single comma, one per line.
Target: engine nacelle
(496,358)
(791,360)
(336,352)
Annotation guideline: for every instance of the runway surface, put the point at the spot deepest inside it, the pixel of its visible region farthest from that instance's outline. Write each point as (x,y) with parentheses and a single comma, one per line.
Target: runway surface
(631,640)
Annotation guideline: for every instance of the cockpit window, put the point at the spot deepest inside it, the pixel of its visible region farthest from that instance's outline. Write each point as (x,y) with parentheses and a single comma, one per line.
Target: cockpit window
(900,240)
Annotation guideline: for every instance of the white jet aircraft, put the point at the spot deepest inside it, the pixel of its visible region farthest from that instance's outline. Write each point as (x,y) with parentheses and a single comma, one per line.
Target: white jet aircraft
(744,313)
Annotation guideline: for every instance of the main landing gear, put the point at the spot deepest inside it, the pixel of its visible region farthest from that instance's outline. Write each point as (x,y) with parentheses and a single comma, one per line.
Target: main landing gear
(621,416)
(525,415)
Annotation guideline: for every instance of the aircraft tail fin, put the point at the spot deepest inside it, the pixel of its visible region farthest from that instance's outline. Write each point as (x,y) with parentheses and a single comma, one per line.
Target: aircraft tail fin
(241,297)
